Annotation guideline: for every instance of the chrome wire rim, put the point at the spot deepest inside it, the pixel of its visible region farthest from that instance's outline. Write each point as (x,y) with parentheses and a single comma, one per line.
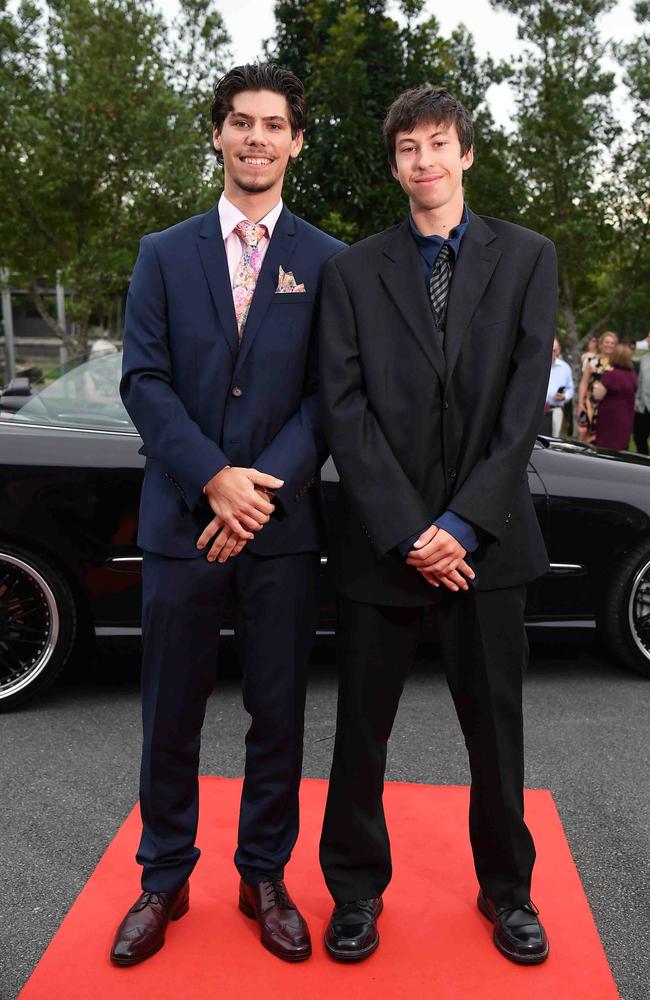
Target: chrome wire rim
(29,624)
(639,610)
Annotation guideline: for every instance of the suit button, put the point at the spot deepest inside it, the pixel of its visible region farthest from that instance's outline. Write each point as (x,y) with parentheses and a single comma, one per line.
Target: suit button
(237,391)
(446,404)
(451,473)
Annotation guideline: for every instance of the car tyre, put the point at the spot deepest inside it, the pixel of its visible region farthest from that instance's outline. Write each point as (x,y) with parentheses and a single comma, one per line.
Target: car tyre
(625,619)
(38,625)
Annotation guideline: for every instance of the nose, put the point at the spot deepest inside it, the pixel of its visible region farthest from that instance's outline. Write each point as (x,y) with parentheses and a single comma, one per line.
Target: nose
(255,135)
(426,158)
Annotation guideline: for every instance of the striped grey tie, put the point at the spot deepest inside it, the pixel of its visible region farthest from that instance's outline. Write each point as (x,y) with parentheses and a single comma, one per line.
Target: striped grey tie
(439,284)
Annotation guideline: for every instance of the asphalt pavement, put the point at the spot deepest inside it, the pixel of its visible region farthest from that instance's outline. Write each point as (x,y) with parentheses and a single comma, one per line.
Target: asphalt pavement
(69,768)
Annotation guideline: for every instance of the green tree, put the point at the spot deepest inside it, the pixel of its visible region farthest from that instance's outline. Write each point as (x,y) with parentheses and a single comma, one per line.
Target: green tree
(355,58)
(631,313)
(566,133)
(103,138)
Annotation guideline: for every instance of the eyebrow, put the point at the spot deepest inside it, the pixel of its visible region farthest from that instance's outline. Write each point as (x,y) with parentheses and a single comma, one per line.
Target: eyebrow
(250,118)
(433,135)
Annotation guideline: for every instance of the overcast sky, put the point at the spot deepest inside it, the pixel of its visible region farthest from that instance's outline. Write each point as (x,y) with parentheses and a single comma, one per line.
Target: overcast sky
(250,21)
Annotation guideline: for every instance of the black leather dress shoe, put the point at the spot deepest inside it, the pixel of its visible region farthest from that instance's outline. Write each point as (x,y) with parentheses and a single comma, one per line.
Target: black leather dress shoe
(284,931)
(352,934)
(518,933)
(142,932)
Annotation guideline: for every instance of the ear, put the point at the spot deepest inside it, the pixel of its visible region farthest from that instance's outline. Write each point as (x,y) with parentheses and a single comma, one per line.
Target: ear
(296,144)
(468,158)
(216,138)
(393,170)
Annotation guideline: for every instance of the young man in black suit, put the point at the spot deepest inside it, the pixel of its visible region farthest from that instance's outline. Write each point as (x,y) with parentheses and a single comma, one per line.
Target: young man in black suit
(435,337)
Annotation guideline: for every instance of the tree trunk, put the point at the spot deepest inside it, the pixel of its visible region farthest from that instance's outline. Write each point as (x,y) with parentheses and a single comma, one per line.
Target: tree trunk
(68,342)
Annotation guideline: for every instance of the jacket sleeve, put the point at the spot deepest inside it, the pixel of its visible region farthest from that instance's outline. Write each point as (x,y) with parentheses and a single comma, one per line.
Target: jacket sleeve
(298,450)
(385,499)
(485,497)
(168,432)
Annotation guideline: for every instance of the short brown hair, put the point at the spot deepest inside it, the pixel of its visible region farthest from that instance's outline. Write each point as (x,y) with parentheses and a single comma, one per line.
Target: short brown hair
(258,76)
(421,106)
(621,357)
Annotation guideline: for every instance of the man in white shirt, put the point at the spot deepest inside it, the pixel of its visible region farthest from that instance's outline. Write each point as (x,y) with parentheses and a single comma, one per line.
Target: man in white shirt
(220,378)
(560,389)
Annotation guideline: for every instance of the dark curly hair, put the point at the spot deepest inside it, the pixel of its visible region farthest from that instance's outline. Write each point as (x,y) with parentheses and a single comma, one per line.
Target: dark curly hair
(258,76)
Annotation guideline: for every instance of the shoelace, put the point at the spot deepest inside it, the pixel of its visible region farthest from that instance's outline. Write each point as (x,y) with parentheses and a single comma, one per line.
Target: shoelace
(150,899)
(366,906)
(525,908)
(276,894)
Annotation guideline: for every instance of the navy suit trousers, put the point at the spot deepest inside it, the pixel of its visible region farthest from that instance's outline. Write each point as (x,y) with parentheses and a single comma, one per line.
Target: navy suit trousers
(183,600)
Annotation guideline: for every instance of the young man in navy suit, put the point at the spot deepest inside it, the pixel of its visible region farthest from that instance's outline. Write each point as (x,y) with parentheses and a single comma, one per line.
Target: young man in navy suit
(220,378)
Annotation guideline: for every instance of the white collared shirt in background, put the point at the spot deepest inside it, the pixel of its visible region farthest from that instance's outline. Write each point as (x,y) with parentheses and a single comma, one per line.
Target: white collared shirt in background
(561,375)
(229,216)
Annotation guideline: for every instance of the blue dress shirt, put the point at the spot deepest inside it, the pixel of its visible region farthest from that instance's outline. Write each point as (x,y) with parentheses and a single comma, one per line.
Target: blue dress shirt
(429,247)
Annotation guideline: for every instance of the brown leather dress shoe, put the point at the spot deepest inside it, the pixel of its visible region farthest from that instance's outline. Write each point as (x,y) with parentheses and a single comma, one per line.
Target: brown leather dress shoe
(284,931)
(142,932)
(518,932)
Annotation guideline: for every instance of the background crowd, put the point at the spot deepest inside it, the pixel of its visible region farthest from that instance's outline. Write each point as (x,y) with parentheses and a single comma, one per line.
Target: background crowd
(613,403)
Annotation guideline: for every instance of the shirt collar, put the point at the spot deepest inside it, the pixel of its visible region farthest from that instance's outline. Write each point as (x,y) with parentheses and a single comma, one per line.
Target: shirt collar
(230,215)
(434,243)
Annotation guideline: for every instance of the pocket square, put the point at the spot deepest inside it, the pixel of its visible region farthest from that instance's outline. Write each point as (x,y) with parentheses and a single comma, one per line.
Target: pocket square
(287,283)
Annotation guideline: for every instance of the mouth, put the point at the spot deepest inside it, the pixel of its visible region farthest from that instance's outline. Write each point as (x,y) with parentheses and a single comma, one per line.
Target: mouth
(429,179)
(256,161)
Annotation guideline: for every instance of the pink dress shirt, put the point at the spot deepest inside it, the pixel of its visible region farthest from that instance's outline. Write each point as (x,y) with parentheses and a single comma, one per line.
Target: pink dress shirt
(229,216)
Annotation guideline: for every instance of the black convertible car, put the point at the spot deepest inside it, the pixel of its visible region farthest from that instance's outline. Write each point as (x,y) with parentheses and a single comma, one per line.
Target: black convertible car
(70,567)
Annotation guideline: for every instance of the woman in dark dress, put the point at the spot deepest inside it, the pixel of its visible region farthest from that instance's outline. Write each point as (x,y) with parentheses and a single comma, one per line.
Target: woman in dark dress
(616,407)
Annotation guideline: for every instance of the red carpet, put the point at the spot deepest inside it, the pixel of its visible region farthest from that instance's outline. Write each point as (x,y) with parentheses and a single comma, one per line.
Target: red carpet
(434,945)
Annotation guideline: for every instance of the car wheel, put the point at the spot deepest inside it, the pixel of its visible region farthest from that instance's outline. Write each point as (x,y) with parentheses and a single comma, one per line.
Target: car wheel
(38,623)
(625,620)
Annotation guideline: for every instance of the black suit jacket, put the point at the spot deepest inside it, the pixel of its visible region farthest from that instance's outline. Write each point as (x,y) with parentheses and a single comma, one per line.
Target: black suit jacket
(415,430)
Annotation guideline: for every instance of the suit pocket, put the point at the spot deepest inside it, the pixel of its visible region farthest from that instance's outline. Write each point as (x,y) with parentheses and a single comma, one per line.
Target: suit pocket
(484,322)
(292,299)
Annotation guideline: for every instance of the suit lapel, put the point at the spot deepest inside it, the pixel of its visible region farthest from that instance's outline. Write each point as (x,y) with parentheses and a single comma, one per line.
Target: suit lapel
(472,272)
(279,253)
(215,264)
(401,273)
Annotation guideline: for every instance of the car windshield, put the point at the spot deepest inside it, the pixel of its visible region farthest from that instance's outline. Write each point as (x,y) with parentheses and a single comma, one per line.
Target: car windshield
(87,396)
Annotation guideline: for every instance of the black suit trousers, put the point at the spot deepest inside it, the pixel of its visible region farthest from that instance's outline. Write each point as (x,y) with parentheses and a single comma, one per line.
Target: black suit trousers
(485,651)
(642,431)
(183,600)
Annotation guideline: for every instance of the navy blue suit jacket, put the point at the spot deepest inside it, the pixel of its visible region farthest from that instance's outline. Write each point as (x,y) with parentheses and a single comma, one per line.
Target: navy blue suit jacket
(200,401)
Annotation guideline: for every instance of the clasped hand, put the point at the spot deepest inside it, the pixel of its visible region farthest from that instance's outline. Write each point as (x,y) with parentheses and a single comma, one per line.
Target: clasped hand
(440,558)
(241,500)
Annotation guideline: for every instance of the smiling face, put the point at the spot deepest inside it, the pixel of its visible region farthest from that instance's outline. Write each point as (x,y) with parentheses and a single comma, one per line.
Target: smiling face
(429,165)
(607,345)
(256,142)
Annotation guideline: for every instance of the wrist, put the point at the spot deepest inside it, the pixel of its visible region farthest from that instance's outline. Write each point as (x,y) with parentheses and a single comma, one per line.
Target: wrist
(215,477)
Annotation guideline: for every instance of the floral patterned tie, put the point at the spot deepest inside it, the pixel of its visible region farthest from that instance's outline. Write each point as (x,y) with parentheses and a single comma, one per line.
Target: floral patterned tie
(245,277)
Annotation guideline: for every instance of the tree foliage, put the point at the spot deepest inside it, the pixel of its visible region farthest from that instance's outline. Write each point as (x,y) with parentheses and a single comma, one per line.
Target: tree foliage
(632,311)
(563,149)
(355,58)
(104,137)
